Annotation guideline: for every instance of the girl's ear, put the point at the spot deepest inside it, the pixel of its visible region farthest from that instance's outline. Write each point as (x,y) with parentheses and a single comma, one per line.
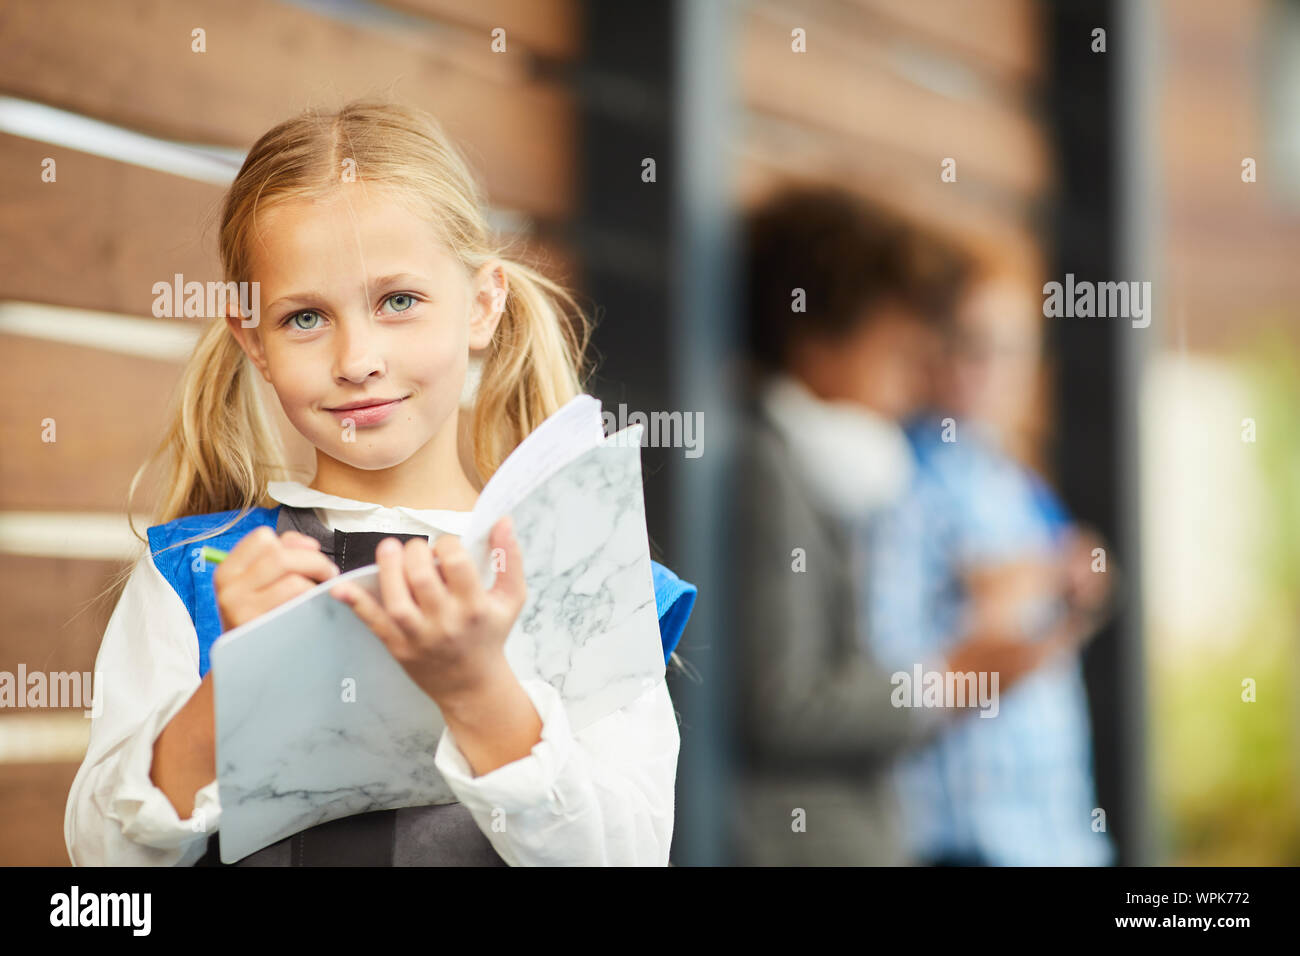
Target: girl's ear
(247,338)
(489,288)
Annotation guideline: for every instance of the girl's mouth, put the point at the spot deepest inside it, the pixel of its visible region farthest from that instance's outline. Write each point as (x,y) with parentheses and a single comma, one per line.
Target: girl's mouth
(367,414)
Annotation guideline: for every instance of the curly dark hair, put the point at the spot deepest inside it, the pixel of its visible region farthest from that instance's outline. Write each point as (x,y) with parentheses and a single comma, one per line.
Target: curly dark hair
(849,256)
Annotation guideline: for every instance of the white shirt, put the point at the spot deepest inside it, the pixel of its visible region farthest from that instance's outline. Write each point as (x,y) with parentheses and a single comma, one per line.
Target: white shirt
(854,460)
(601,796)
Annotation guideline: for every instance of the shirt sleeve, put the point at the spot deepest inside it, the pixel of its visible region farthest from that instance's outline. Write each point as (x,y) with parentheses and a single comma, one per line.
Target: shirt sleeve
(603,796)
(147,669)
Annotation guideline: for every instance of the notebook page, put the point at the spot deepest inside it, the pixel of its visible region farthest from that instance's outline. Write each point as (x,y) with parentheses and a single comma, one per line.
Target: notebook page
(554,443)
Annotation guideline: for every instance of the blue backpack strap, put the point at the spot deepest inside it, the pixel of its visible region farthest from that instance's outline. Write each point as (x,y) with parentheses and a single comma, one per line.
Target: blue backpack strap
(674,599)
(190,576)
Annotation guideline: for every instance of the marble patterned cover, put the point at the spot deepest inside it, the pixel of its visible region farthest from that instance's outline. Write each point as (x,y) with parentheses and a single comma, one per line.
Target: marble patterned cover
(316,720)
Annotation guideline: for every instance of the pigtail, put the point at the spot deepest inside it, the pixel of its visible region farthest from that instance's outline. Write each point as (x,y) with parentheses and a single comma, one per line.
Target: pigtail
(533,367)
(221,448)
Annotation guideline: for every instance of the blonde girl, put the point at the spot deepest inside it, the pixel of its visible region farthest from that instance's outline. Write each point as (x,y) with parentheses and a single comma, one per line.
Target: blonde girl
(378,287)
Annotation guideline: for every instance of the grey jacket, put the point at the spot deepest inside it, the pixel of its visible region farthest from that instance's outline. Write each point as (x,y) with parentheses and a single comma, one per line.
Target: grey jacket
(816,725)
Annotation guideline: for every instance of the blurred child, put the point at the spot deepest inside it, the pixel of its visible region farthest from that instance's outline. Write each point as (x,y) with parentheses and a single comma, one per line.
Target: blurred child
(980,542)
(841,302)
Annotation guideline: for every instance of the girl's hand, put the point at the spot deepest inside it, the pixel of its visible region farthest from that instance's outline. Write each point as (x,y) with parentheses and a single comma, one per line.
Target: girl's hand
(264,570)
(438,621)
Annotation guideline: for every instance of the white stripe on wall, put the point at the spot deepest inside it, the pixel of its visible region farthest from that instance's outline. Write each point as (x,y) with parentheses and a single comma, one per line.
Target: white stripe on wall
(50,737)
(92,535)
(208,164)
(168,341)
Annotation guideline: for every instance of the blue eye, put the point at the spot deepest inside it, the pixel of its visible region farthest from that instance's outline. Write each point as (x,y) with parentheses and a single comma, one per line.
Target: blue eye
(409,299)
(298,315)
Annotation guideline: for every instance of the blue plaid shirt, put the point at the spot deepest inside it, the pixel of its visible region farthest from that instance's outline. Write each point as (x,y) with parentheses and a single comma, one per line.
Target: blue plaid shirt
(1017,788)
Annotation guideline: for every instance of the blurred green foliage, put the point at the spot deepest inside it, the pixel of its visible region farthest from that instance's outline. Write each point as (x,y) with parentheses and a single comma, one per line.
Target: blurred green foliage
(1227,773)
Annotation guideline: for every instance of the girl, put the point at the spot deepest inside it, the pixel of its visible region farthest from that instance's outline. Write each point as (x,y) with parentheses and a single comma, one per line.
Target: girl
(365,232)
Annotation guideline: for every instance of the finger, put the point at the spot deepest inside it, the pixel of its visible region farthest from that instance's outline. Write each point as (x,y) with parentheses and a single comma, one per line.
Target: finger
(509,585)
(373,615)
(285,589)
(393,589)
(311,564)
(458,570)
(422,577)
(247,551)
(279,561)
(296,539)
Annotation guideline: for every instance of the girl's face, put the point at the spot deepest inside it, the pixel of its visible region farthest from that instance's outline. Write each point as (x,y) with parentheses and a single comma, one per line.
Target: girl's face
(365,328)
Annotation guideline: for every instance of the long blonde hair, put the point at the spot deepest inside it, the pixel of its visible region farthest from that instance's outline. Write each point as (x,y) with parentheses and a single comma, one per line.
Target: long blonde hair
(222,446)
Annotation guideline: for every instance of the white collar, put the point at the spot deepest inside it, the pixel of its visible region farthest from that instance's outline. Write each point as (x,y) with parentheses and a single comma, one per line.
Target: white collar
(348,514)
(855,460)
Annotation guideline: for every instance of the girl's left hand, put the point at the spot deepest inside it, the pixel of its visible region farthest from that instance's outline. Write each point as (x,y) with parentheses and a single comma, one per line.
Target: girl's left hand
(438,621)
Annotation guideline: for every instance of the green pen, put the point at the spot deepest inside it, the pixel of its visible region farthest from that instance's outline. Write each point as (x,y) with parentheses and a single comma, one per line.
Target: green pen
(216,556)
(213,555)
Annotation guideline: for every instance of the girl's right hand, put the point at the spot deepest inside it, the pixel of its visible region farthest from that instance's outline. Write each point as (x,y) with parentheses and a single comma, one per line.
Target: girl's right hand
(264,570)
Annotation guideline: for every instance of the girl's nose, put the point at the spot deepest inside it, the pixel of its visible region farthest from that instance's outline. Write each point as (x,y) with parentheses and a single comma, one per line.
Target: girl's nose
(358,355)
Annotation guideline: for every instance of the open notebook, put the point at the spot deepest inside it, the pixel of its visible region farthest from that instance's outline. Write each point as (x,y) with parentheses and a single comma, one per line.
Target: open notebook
(315,720)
